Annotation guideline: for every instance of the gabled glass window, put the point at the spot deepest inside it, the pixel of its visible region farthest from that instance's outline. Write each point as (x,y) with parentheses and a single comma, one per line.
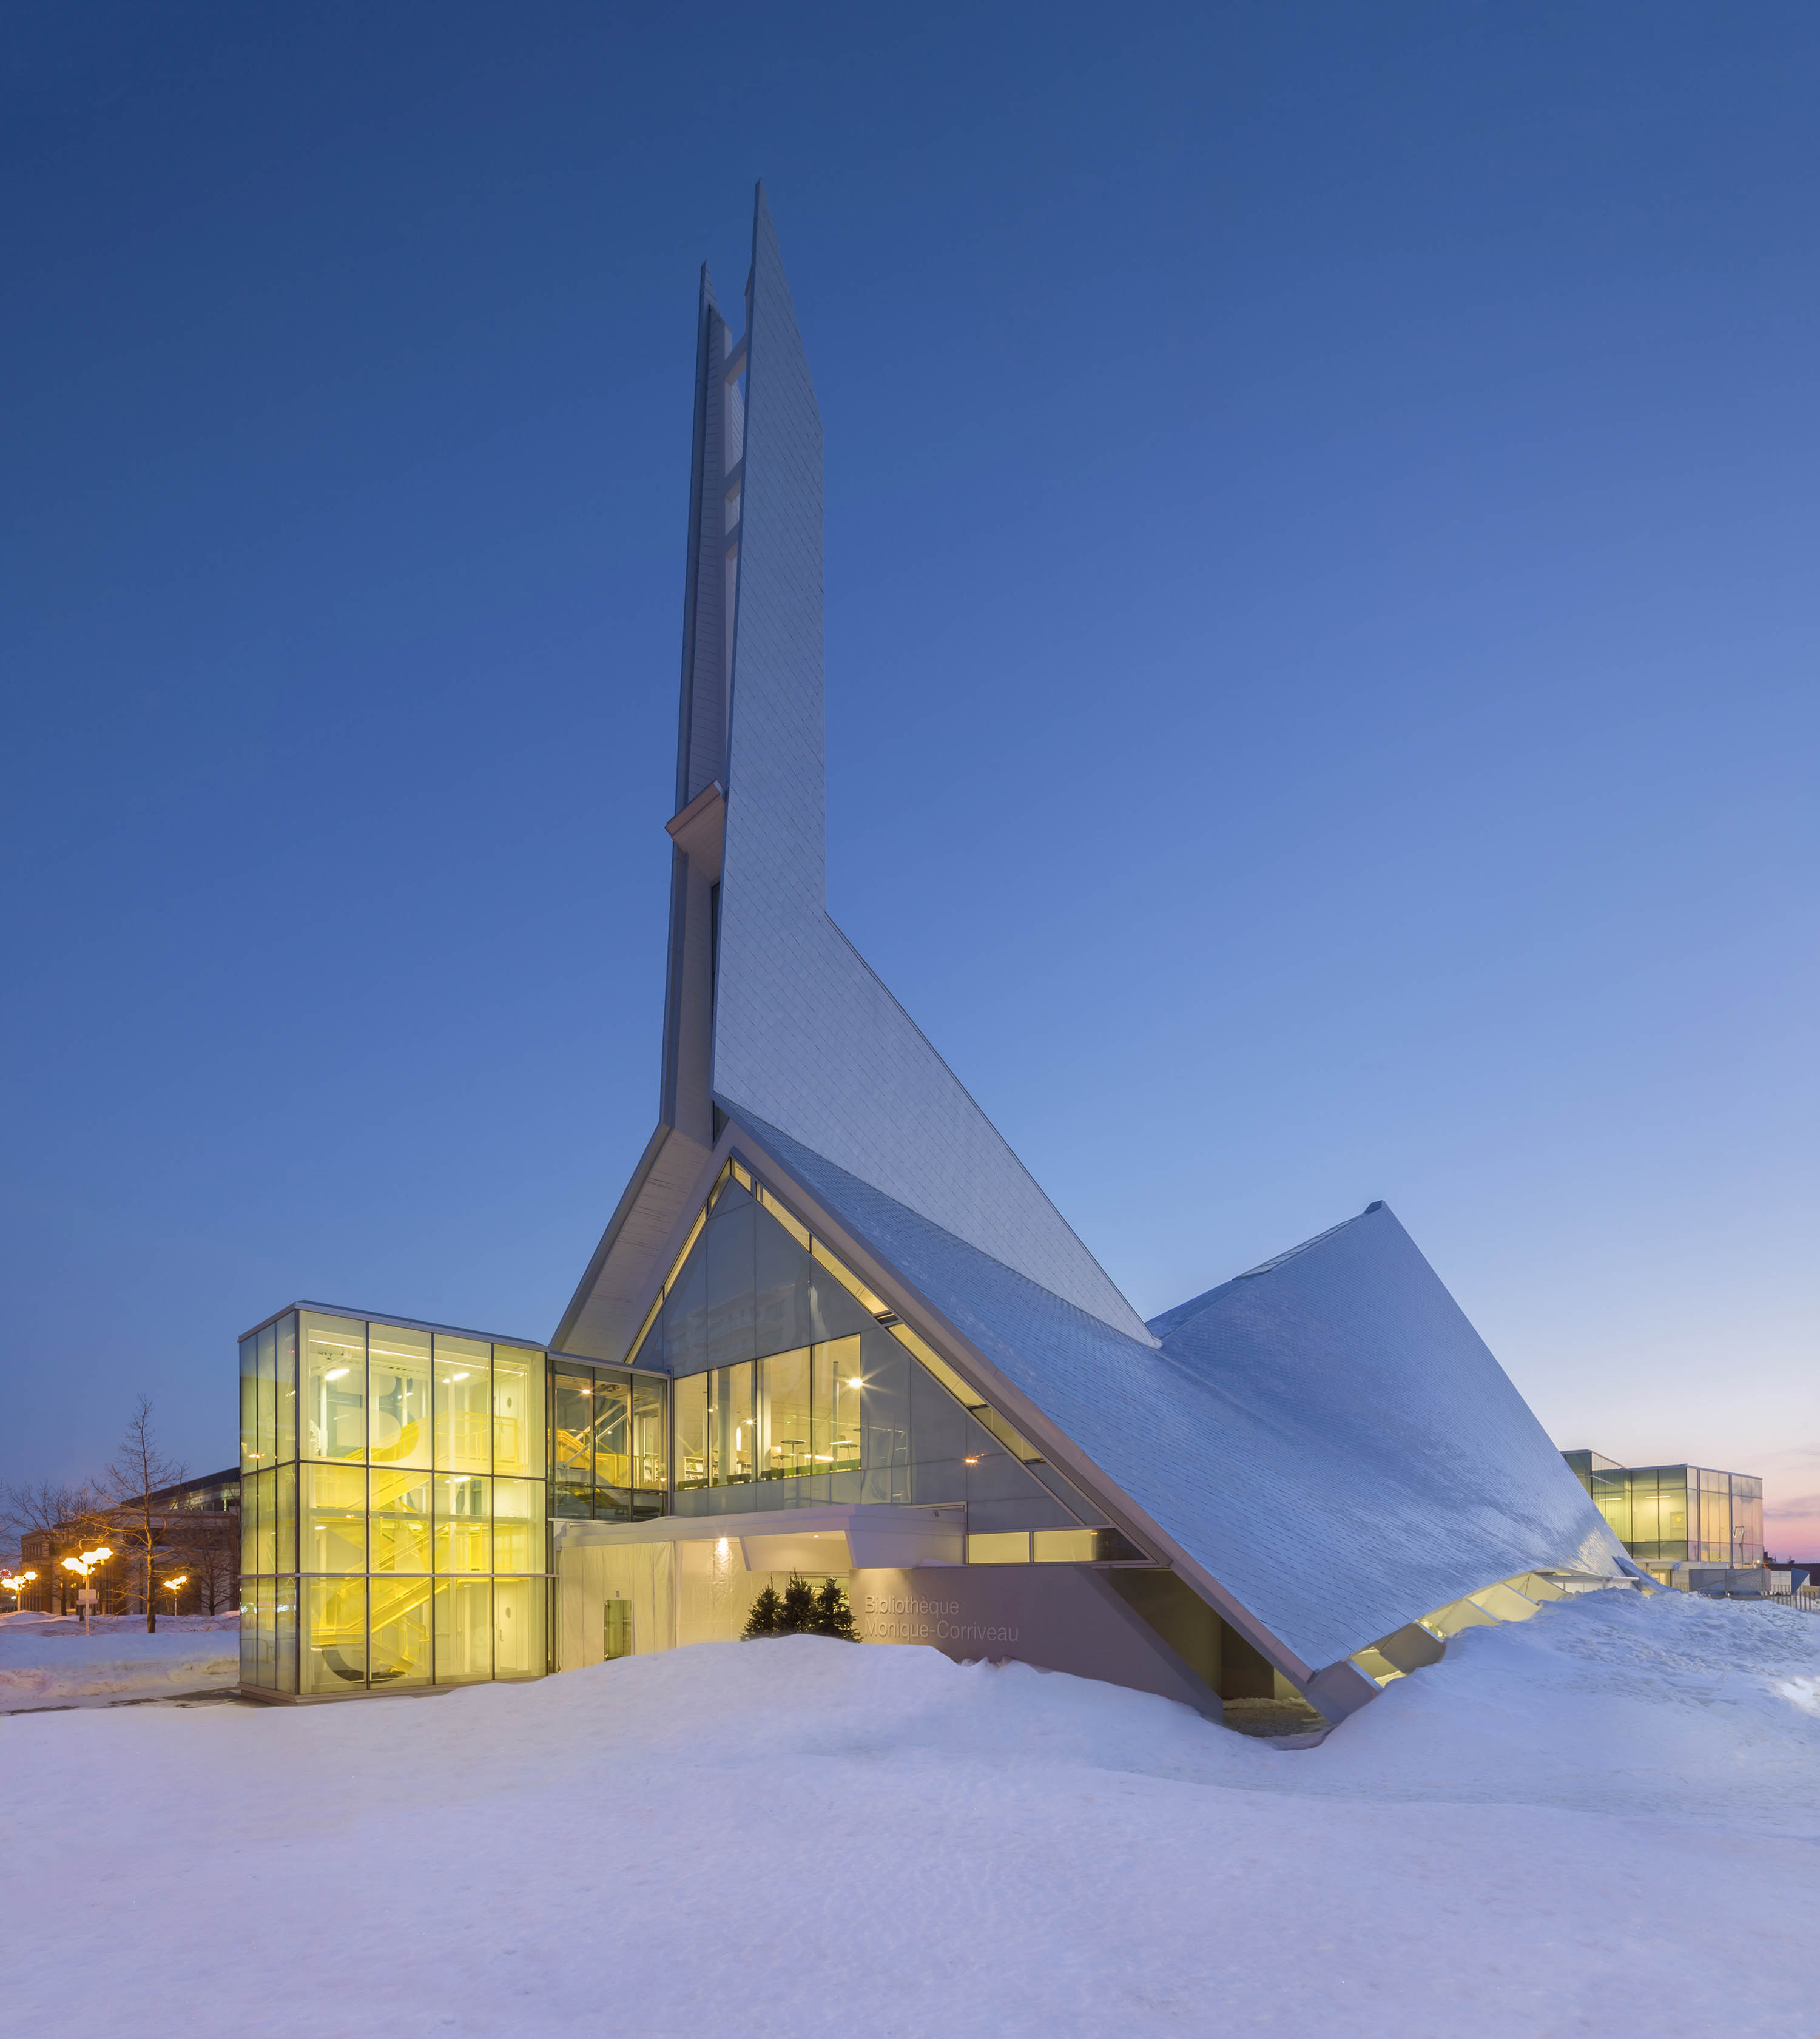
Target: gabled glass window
(795,1384)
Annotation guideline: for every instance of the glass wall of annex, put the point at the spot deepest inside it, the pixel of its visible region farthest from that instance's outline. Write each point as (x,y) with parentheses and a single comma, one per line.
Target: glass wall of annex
(1677,1514)
(394,1528)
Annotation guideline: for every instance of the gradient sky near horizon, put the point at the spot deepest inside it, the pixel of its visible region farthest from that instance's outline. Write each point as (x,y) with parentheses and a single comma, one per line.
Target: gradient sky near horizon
(1322,639)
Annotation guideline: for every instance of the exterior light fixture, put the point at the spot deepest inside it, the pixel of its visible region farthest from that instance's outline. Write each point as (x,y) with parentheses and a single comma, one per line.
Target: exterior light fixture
(181,1579)
(970,1462)
(856,1380)
(15,1583)
(84,1564)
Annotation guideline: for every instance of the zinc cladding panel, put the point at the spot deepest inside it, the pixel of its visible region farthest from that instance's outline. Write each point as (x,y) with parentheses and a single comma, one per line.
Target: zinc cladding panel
(1330,1437)
(806,1036)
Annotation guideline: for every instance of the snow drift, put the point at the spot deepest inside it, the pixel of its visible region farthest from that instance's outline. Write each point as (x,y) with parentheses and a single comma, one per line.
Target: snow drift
(1609,1813)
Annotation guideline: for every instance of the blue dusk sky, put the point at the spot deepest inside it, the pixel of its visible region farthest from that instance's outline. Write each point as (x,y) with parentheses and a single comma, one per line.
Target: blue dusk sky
(1321,693)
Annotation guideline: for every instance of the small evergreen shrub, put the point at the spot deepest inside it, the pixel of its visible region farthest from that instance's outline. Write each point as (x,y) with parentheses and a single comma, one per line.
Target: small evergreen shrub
(801,1610)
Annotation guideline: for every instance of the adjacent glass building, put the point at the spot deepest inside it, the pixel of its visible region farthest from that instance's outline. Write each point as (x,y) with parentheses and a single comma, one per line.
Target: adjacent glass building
(1677,1514)
(394,1526)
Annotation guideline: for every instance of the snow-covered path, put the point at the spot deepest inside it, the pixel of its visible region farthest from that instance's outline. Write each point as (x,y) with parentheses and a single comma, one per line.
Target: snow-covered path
(1607,1819)
(48,1662)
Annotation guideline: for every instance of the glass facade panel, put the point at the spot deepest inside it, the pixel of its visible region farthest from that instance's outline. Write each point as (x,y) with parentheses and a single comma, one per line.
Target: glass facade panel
(333,1532)
(649,1448)
(783,1444)
(999,1548)
(1064,1547)
(464,1524)
(285,1680)
(248,1523)
(286,1441)
(265,1542)
(690,1397)
(518,1411)
(398,1395)
(732,1298)
(265,1646)
(249,1404)
(518,1534)
(399,1621)
(400,1524)
(571,1439)
(333,1399)
(612,1468)
(333,1651)
(266,1431)
(284,1489)
(732,1425)
(464,1630)
(518,1628)
(464,1396)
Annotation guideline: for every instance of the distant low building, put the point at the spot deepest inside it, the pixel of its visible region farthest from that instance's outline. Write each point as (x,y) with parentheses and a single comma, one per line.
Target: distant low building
(1687,1516)
(197,1523)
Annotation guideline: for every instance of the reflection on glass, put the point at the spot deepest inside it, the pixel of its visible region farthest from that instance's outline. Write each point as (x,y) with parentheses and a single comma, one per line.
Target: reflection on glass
(333,1395)
(267,1426)
(398,1393)
(518,1628)
(464,1529)
(265,1620)
(249,1405)
(837,1385)
(464,1393)
(464,1630)
(286,1442)
(400,1520)
(518,1525)
(334,1645)
(518,1410)
(333,1532)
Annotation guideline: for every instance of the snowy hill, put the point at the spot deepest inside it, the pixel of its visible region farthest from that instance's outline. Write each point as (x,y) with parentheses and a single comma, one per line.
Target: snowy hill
(1606,1817)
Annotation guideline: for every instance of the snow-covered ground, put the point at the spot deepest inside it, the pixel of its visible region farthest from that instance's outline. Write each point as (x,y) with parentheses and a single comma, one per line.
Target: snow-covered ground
(1605,1819)
(48,1662)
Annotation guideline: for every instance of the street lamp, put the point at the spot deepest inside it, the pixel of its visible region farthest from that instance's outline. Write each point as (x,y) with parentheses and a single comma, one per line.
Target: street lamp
(84,1564)
(15,1583)
(171,1586)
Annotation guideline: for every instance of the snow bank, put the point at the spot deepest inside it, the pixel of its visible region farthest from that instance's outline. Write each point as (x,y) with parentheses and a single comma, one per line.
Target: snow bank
(1606,1818)
(46,1662)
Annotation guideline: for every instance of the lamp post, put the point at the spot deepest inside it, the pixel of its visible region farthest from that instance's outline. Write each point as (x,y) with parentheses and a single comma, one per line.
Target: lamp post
(171,1587)
(15,1583)
(84,1564)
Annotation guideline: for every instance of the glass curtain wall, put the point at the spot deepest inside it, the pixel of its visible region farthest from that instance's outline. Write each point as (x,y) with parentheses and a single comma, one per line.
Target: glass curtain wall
(609,1459)
(268,1506)
(795,1383)
(404,1542)
(1677,1514)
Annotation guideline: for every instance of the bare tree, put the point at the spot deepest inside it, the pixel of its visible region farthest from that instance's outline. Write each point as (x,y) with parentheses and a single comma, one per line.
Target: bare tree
(138,1470)
(208,1546)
